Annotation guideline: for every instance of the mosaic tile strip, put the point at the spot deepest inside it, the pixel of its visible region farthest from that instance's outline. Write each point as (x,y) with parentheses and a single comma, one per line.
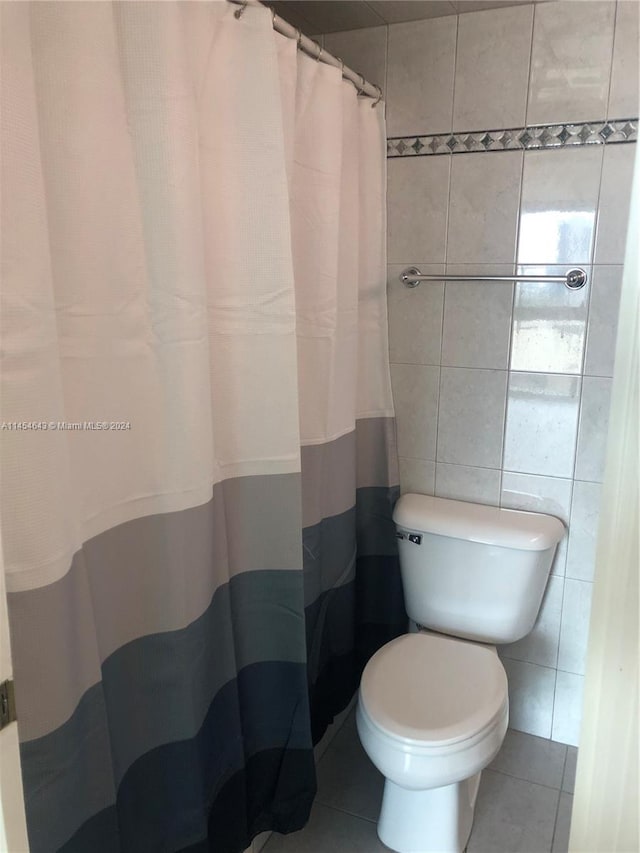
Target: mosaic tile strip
(540,136)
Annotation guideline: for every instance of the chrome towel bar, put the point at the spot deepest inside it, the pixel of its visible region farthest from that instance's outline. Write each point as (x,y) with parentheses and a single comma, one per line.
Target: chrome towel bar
(574,278)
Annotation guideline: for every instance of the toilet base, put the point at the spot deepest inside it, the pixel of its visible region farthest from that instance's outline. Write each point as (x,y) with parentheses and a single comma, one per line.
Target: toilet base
(437,820)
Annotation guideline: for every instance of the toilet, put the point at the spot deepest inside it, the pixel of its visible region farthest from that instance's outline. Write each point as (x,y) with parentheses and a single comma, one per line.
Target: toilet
(433,705)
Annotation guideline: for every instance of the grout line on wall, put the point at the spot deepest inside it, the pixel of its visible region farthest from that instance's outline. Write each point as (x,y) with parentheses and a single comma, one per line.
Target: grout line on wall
(386,68)
(437,416)
(530,74)
(578,427)
(555,688)
(446,248)
(455,71)
(613,46)
(566,556)
(555,822)
(596,226)
(511,327)
(564,578)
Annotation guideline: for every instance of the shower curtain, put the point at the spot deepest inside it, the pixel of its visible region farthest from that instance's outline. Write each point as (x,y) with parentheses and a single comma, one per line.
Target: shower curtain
(198,453)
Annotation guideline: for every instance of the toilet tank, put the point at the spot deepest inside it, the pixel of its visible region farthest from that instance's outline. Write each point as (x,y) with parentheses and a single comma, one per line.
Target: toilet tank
(474,571)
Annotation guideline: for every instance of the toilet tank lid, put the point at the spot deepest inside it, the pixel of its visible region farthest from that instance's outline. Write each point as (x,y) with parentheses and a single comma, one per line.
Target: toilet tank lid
(488,525)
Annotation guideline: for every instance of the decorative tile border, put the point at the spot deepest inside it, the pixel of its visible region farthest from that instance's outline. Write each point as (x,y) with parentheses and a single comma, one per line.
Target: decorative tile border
(540,136)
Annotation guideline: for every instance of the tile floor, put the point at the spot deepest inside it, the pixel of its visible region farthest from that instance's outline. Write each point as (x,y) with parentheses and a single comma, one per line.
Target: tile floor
(524,803)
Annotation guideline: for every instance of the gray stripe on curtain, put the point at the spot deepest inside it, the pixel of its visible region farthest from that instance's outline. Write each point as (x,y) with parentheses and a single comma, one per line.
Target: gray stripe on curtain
(330,546)
(376,452)
(353,596)
(153,574)
(332,470)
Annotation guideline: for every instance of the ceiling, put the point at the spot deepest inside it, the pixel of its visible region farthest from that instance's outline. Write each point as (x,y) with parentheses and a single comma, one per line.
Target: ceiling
(330,16)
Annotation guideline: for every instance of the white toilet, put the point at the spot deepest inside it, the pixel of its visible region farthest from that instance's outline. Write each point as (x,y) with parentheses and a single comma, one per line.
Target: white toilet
(433,707)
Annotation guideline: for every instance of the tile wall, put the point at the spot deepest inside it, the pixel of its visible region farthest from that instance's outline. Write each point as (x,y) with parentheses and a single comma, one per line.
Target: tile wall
(502,391)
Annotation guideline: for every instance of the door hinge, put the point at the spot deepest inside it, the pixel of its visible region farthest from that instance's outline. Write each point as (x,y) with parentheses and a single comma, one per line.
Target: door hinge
(7,704)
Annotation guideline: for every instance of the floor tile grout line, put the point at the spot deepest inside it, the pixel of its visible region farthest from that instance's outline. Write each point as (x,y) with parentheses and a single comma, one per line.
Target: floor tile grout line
(344,811)
(528,781)
(555,822)
(564,767)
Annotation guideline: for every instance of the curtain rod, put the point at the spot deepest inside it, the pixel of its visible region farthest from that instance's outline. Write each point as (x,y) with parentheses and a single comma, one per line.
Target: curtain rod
(315,51)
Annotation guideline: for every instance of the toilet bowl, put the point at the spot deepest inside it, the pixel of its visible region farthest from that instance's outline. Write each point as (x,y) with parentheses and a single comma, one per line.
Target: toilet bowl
(432,713)
(433,707)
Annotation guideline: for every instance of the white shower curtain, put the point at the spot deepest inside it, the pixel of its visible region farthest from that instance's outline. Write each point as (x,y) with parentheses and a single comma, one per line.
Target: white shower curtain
(193,288)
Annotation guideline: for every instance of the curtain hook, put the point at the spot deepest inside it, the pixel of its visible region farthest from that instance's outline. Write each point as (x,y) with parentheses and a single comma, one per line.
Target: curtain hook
(360,89)
(299,39)
(273,17)
(319,56)
(341,61)
(239,12)
(379,98)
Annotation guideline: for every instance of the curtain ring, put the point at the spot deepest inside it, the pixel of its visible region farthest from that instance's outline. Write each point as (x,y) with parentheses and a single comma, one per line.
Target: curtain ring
(341,61)
(299,39)
(379,98)
(360,89)
(273,17)
(319,56)
(239,12)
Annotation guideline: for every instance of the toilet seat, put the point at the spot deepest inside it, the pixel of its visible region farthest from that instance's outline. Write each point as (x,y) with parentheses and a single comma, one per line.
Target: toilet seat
(428,692)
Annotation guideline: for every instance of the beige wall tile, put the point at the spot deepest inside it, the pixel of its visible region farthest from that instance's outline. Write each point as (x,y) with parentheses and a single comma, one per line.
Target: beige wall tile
(593,428)
(542,420)
(418,189)
(570,62)
(567,709)
(624,96)
(466,483)
(417,476)
(471,416)
(613,207)
(483,208)
(492,68)
(558,208)
(420,76)
(415,395)
(415,317)
(583,530)
(477,318)
(603,320)
(549,324)
(576,608)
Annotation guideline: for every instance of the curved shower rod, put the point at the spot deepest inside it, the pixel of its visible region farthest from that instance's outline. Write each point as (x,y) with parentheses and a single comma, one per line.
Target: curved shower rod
(574,278)
(316,51)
